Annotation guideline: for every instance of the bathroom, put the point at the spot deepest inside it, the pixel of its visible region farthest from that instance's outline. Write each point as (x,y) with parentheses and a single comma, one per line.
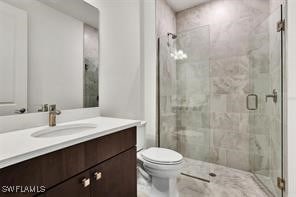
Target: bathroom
(145,98)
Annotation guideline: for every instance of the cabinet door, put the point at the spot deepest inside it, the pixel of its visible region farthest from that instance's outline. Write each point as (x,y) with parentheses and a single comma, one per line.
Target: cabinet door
(78,186)
(116,177)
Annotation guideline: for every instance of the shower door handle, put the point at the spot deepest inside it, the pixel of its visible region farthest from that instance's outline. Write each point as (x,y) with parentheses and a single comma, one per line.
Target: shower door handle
(256,102)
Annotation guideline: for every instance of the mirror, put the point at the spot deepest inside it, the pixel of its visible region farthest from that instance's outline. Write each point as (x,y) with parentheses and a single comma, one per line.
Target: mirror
(49,54)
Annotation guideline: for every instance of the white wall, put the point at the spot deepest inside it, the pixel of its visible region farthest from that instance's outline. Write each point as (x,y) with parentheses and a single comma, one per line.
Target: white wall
(128,61)
(291,70)
(149,58)
(55,56)
(120,81)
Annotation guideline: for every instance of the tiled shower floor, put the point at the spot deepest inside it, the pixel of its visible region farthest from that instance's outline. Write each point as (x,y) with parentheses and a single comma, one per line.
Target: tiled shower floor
(228,183)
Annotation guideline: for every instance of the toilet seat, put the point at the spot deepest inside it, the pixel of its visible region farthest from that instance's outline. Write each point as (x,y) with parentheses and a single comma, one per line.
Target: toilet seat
(162,156)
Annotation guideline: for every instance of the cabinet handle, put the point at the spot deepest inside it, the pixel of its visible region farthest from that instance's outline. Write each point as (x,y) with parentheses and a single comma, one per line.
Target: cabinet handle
(85,182)
(98,175)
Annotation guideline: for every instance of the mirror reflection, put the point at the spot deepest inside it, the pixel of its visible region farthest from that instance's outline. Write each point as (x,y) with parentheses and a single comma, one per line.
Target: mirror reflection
(49,54)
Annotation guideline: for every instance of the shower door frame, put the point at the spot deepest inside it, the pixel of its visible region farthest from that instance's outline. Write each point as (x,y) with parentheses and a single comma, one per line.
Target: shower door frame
(282,181)
(283,95)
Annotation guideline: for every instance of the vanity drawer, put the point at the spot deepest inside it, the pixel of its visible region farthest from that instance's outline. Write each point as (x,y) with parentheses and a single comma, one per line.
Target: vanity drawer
(77,186)
(46,170)
(53,168)
(101,149)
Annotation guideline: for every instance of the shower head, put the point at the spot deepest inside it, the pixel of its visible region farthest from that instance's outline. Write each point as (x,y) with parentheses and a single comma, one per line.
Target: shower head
(174,36)
(176,54)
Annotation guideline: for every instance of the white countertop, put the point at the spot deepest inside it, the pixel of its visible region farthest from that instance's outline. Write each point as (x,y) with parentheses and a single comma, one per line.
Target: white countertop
(17,146)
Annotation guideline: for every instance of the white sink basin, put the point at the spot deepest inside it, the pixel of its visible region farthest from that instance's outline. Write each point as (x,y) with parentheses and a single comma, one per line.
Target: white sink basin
(63,130)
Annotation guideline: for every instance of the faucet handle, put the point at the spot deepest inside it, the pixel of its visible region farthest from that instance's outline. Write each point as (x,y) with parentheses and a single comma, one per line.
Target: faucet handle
(52,107)
(58,112)
(43,108)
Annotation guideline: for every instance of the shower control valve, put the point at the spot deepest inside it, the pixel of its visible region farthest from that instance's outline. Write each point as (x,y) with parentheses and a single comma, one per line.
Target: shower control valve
(274,96)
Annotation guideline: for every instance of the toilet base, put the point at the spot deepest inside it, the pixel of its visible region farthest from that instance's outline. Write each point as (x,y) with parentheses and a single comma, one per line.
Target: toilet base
(164,187)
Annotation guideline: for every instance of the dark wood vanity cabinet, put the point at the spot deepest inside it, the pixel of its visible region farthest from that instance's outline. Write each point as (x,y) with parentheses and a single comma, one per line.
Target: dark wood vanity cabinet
(105,167)
(114,177)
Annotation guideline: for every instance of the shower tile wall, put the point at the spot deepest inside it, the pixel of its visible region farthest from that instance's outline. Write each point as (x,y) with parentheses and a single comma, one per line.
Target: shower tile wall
(193,87)
(166,22)
(260,120)
(166,19)
(230,23)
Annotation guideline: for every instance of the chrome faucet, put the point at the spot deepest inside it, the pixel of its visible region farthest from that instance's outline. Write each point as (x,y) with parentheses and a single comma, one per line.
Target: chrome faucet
(52,115)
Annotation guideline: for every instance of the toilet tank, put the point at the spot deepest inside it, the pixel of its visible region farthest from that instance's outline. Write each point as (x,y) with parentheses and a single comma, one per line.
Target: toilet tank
(141,136)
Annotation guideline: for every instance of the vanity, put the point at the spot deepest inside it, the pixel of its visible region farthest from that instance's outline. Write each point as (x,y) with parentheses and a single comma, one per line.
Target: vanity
(100,161)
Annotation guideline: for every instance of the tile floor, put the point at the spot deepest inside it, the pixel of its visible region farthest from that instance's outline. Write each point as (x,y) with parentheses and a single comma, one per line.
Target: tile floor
(228,182)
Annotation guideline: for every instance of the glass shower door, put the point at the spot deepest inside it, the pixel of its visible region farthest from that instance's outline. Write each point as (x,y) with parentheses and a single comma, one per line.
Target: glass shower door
(184,121)
(266,102)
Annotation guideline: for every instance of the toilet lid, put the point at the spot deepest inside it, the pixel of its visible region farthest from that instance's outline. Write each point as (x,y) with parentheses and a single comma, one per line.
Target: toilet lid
(162,156)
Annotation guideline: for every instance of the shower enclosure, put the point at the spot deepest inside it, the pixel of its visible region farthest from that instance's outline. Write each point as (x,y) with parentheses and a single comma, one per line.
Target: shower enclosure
(224,105)
(266,122)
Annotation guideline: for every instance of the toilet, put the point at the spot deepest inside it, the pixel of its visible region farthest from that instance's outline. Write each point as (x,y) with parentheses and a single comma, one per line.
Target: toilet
(160,166)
